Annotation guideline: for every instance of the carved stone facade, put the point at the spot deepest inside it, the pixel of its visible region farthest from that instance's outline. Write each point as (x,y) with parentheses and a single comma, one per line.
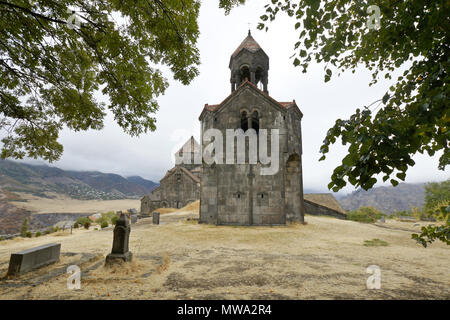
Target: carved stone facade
(237,194)
(180,185)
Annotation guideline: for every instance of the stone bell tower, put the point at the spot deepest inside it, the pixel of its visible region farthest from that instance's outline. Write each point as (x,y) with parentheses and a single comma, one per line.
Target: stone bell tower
(242,192)
(250,62)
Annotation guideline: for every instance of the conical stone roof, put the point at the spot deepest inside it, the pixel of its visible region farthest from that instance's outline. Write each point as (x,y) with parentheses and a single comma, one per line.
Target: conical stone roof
(249,43)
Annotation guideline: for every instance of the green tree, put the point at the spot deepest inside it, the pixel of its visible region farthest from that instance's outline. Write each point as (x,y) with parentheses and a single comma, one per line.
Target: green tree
(437,204)
(55,54)
(24,229)
(414,114)
(436,193)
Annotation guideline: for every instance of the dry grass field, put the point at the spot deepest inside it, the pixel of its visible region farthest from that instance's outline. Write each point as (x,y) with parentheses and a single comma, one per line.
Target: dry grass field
(64,204)
(180,259)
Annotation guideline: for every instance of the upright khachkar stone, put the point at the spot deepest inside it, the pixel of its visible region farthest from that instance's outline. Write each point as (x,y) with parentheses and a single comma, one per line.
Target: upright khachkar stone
(155,217)
(120,249)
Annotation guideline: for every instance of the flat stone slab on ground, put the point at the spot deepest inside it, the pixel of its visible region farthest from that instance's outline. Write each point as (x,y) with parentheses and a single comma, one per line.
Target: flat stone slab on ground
(27,260)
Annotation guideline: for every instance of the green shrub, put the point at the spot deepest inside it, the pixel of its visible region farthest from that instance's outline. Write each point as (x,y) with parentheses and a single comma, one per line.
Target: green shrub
(82,221)
(28,234)
(55,229)
(375,243)
(76,225)
(87,224)
(403,213)
(440,211)
(1,239)
(114,220)
(365,214)
(38,234)
(104,224)
(48,231)
(109,215)
(106,217)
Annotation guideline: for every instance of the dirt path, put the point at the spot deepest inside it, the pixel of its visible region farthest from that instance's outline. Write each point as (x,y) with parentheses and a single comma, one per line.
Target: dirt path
(180,259)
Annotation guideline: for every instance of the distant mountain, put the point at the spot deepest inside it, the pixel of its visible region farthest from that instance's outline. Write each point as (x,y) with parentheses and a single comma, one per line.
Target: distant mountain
(38,179)
(150,185)
(387,199)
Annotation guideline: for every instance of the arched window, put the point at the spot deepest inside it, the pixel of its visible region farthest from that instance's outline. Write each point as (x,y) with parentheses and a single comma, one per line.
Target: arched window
(258,75)
(244,121)
(245,73)
(255,121)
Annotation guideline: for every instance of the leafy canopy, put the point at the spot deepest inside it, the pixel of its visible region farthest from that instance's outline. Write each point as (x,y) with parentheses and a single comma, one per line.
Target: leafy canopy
(55,54)
(414,115)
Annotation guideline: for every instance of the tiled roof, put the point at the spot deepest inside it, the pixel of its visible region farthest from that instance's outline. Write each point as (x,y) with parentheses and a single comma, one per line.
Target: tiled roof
(211,107)
(287,105)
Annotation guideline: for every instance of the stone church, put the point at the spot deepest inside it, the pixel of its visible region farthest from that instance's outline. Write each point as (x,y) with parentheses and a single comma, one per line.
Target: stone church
(180,185)
(237,194)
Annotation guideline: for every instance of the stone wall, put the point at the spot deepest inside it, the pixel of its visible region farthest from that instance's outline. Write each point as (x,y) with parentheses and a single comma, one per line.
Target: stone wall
(176,190)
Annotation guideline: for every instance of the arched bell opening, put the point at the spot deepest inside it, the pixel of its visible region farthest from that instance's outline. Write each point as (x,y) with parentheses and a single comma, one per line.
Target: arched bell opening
(255,121)
(244,121)
(245,73)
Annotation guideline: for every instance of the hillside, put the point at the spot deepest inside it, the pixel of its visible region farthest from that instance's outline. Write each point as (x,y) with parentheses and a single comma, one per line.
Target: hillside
(41,179)
(387,199)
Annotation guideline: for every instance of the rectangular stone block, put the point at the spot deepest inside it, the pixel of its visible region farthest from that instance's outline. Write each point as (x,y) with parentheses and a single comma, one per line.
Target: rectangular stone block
(30,259)
(155,217)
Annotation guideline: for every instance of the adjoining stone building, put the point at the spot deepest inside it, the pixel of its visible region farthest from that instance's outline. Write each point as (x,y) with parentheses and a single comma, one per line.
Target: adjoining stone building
(237,194)
(180,185)
(323,204)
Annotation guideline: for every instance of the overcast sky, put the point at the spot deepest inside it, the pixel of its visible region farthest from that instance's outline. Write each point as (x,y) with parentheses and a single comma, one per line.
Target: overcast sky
(150,156)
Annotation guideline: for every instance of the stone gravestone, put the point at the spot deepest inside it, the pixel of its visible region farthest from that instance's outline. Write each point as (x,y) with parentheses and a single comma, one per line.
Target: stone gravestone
(120,249)
(30,259)
(155,217)
(134,218)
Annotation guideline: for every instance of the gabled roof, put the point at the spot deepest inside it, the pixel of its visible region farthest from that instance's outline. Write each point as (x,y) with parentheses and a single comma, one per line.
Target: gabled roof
(190,174)
(184,170)
(216,107)
(324,199)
